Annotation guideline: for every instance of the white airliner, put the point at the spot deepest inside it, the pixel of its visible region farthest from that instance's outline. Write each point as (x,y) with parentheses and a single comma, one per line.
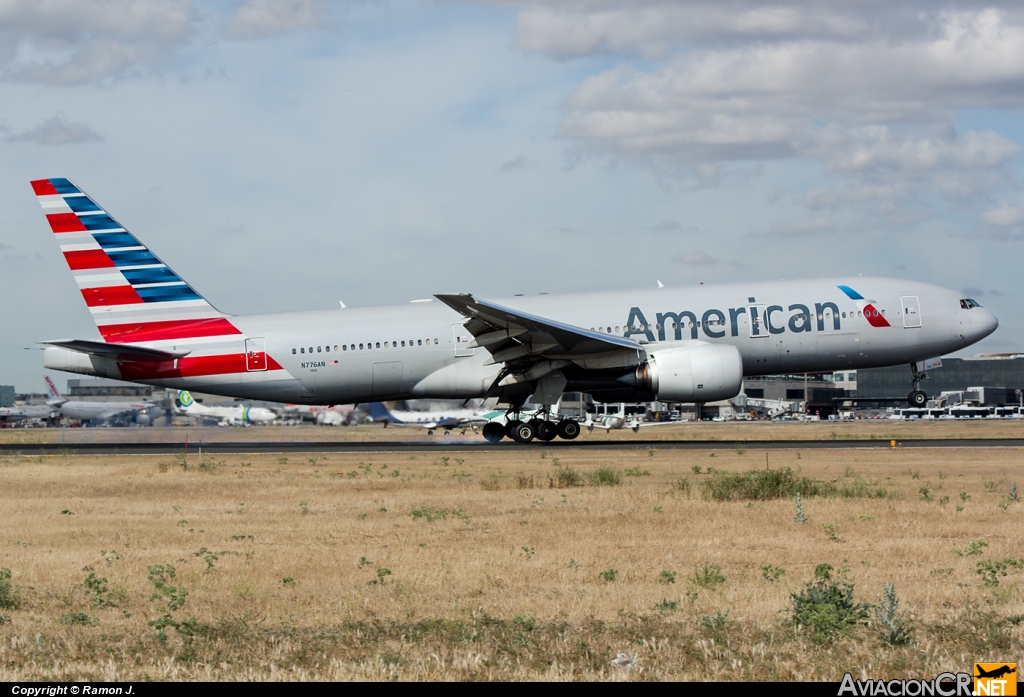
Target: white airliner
(26,412)
(614,416)
(334,415)
(227,416)
(430,420)
(692,344)
(136,412)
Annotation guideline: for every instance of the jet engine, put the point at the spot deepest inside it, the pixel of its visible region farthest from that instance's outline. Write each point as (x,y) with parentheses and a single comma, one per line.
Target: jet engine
(696,372)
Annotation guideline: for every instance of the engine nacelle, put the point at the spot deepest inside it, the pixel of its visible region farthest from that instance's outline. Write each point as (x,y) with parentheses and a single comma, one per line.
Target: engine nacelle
(697,372)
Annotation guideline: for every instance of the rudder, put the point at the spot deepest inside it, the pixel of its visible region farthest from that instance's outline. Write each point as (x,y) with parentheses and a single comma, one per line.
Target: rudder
(133,296)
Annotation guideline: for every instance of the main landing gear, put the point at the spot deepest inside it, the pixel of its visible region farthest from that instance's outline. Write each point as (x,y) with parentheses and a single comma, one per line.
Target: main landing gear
(526,431)
(917,398)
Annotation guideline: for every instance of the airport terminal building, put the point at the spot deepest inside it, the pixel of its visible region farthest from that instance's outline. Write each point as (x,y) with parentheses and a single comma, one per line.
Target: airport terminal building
(1002,370)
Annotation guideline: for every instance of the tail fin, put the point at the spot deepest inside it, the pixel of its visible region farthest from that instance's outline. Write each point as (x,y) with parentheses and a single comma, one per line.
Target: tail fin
(185,400)
(379,412)
(133,296)
(56,398)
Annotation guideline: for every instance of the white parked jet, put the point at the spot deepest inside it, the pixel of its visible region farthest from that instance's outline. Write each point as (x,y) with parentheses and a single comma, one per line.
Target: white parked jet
(26,412)
(430,420)
(691,344)
(334,415)
(134,412)
(227,416)
(614,416)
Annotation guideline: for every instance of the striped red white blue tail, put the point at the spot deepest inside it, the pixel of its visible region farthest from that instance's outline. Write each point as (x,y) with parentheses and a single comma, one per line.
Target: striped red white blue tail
(133,296)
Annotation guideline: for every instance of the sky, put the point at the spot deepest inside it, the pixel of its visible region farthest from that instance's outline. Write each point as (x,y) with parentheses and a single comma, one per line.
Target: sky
(285,155)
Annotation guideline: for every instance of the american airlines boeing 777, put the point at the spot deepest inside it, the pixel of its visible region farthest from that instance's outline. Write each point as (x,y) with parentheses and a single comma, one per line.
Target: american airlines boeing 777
(692,344)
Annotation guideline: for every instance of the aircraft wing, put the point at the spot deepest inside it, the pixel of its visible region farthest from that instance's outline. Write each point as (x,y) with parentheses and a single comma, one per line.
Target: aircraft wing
(125,352)
(510,335)
(120,412)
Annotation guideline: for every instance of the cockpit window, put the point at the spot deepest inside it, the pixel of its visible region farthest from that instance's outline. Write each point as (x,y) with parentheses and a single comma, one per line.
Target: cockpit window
(967,303)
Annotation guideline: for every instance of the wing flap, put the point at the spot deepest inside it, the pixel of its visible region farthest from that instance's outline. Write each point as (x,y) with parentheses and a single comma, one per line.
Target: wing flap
(120,352)
(541,336)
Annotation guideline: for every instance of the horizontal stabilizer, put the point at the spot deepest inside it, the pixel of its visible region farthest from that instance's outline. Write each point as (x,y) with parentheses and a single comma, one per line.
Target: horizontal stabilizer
(121,352)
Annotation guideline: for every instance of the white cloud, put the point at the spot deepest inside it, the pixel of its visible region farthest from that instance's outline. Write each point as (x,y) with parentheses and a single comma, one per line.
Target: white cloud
(521,162)
(1004,217)
(65,42)
(809,228)
(694,259)
(654,28)
(758,101)
(57,130)
(256,19)
(868,93)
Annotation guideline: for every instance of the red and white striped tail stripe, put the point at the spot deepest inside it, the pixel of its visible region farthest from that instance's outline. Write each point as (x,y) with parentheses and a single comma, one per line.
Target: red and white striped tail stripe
(132,295)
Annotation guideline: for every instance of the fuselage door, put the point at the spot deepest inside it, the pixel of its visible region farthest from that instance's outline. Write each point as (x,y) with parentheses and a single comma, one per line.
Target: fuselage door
(758,321)
(461,338)
(911,311)
(255,354)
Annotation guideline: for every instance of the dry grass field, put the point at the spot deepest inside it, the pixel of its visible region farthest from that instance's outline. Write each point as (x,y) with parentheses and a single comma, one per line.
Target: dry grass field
(505,565)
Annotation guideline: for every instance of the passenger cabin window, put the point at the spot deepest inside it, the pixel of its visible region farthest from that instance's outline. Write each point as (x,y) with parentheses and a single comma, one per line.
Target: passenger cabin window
(335,348)
(344,347)
(435,341)
(378,344)
(385,344)
(302,350)
(421,342)
(319,349)
(360,347)
(294,352)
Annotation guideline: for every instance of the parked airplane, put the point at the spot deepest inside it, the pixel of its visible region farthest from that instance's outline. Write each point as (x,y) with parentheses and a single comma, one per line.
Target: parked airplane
(679,345)
(227,416)
(430,420)
(26,412)
(134,412)
(614,416)
(335,415)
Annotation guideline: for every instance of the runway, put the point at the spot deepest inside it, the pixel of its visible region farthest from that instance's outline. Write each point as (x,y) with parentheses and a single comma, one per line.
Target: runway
(215,448)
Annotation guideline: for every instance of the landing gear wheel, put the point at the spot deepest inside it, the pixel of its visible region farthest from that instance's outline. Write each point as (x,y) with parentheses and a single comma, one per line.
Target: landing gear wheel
(546,430)
(523,432)
(510,426)
(493,433)
(917,399)
(568,429)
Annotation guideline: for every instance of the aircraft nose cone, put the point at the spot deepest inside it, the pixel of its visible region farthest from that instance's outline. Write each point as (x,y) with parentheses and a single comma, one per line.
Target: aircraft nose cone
(983,322)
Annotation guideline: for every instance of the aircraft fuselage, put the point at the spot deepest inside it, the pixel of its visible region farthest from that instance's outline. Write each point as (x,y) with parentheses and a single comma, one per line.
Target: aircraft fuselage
(421,350)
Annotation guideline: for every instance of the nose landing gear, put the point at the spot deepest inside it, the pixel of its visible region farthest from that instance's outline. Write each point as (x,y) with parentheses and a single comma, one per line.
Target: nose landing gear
(917,398)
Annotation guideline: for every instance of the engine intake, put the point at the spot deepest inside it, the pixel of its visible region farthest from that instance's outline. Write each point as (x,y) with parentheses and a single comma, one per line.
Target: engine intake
(699,372)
